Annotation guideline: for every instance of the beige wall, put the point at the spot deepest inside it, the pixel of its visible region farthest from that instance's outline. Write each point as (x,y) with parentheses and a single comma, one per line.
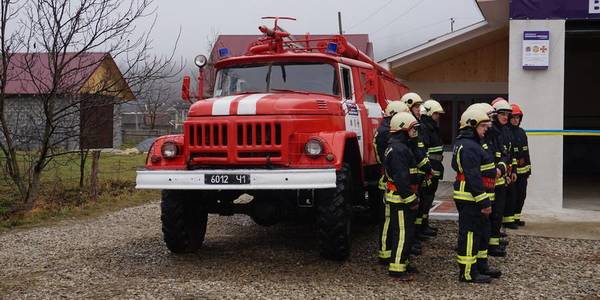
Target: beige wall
(487,63)
(541,96)
(426,89)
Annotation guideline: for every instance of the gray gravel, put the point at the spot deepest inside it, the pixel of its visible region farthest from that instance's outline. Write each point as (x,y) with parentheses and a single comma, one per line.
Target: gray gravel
(121,255)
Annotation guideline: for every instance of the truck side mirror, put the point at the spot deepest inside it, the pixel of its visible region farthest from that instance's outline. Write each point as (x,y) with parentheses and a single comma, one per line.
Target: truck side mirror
(185,89)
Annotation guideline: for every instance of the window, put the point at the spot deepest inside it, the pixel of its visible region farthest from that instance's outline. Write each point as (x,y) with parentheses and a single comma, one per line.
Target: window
(289,76)
(347,79)
(363,82)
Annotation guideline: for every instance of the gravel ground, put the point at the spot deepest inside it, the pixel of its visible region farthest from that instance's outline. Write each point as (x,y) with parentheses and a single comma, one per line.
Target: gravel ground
(121,255)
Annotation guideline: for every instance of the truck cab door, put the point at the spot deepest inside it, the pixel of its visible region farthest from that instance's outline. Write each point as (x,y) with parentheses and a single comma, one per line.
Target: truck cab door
(352,111)
(373,111)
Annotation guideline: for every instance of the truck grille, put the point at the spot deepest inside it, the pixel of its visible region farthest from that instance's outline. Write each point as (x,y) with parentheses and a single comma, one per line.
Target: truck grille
(227,142)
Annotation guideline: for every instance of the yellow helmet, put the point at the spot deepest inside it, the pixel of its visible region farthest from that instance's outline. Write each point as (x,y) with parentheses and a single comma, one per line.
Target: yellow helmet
(402,121)
(501,105)
(473,117)
(431,106)
(488,109)
(411,99)
(395,107)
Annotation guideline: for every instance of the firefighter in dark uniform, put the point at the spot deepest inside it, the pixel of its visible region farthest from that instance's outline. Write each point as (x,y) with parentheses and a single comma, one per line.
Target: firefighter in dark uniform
(380,142)
(414,102)
(430,135)
(401,171)
(499,138)
(476,173)
(501,122)
(521,151)
(489,146)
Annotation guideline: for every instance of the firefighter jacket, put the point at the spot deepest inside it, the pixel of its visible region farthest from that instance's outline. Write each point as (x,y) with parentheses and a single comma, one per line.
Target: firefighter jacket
(380,140)
(419,151)
(400,170)
(474,168)
(430,134)
(521,151)
(498,137)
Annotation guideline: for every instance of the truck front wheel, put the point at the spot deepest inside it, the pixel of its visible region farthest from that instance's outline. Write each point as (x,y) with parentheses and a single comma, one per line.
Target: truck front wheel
(183,221)
(334,215)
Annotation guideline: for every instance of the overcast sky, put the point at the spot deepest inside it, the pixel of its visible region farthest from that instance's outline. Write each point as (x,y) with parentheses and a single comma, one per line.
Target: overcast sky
(392,25)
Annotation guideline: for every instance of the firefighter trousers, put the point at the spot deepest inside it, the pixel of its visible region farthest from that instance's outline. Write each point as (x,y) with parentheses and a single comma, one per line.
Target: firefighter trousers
(473,236)
(510,205)
(401,233)
(521,194)
(385,241)
(497,214)
(427,195)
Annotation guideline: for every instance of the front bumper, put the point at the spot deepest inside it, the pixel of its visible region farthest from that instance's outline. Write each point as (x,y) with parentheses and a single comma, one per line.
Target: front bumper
(288,179)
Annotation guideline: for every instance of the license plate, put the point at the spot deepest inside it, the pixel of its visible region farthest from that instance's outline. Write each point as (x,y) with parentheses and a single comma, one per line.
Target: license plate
(227,179)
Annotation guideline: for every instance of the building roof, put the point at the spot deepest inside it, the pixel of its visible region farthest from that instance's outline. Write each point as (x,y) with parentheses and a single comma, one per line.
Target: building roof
(31,74)
(238,44)
(493,27)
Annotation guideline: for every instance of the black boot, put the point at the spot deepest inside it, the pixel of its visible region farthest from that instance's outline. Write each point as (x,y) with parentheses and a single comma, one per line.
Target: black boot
(411,269)
(520,223)
(484,268)
(511,225)
(415,250)
(428,228)
(475,276)
(503,243)
(428,231)
(497,251)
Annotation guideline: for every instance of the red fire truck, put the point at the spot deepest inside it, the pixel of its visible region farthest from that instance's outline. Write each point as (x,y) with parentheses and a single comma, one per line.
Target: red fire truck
(287,136)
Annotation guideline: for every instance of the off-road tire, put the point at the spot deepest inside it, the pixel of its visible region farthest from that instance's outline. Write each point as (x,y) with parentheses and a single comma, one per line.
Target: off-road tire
(183,221)
(334,215)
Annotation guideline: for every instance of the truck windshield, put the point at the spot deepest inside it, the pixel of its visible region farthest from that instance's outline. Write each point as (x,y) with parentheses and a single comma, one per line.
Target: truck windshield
(260,78)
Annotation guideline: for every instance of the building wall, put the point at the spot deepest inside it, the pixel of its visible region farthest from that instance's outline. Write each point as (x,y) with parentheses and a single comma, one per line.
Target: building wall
(541,95)
(487,63)
(26,119)
(427,88)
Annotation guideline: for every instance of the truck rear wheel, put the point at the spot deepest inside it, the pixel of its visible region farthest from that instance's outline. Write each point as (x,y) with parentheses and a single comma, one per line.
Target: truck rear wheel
(334,215)
(183,221)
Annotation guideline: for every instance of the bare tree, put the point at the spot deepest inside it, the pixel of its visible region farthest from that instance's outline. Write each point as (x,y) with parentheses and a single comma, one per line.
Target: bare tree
(155,98)
(68,33)
(11,40)
(210,74)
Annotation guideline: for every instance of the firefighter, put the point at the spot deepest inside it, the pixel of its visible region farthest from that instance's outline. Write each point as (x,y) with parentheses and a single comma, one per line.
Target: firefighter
(380,144)
(414,102)
(499,138)
(521,151)
(401,171)
(476,173)
(430,135)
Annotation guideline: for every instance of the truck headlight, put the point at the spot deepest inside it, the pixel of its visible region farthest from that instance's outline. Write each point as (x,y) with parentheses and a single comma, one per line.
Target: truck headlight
(169,150)
(313,147)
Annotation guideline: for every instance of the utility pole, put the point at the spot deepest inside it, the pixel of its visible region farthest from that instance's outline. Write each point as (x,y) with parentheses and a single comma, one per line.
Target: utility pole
(452,20)
(340,22)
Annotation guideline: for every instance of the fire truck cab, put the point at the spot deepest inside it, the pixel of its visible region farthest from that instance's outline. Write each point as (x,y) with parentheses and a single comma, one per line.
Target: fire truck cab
(287,135)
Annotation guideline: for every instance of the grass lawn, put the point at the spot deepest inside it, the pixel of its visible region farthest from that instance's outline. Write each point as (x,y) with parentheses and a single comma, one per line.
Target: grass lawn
(60,196)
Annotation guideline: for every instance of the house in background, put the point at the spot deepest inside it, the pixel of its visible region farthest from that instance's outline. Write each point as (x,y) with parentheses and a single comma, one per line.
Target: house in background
(86,106)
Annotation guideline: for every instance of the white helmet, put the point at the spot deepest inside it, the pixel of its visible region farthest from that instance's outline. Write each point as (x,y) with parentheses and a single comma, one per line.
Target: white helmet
(411,99)
(402,121)
(431,106)
(501,105)
(395,107)
(488,109)
(472,118)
